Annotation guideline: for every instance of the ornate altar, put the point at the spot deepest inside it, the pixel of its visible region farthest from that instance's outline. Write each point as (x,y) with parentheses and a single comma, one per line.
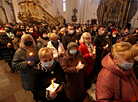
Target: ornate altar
(32,12)
(118,12)
(59,17)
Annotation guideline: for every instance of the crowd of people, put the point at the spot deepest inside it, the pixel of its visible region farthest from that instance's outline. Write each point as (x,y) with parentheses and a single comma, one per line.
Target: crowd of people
(72,56)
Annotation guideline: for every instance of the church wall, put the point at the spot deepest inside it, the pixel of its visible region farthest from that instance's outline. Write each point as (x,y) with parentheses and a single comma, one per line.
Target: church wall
(134,21)
(2,15)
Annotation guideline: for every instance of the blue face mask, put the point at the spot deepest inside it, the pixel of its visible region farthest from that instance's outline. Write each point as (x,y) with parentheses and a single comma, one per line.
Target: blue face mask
(126,65)
(54,41)
(72,51)
(102,32)
(48,64)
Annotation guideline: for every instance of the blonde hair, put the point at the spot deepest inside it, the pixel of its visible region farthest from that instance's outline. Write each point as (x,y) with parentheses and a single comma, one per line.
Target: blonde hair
(53,35)
(44,52)
(124,49)
(82,37)
(23,38)
(135,46)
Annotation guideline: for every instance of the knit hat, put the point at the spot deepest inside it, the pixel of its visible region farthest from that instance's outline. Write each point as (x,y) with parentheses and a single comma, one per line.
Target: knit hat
(71,44)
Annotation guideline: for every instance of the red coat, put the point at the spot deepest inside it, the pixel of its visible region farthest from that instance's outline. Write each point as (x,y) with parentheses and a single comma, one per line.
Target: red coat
(84,50)
(114,83)
(36,35)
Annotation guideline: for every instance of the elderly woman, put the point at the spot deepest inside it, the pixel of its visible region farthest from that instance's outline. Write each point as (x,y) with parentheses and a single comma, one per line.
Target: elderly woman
(47,70)
(71,65)
(116,80)
(57,47)
(87,48)
(24,59)
(43,40)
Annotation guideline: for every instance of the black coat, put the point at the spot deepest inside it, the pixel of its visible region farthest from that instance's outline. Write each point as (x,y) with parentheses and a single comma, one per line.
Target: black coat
(42,79)
(69,38)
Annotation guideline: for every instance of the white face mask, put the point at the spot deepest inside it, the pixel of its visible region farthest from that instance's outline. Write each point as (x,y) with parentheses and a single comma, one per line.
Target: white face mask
(44,35)
(102,32)
(72,51)
(126,65)
(48,64)
(71,31)
(114,36)
(107,37)
(54,31)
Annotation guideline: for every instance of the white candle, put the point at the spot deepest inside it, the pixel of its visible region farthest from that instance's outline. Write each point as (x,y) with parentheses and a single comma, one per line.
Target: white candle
(94,50)
(52,82)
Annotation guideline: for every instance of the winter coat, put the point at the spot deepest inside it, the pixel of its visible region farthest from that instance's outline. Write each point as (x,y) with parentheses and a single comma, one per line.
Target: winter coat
(75,89)
(55,52)
(85,52)
(67,38)
(42,79)
(114,84)
(36,35)
(6,52)
(16,43)
(19,62)
(42,43)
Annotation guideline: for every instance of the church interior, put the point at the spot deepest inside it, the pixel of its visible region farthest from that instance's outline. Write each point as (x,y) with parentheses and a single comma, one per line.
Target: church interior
(119,19)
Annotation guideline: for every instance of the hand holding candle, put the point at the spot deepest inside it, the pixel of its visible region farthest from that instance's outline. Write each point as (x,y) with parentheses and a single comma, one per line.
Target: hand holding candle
(31,57)
(80,65)
(94,50)
(9,45)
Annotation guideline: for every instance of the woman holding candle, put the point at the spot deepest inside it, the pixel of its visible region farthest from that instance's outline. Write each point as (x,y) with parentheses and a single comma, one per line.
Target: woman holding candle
(57,47)
(116,80)
(48,72)
(75,89)
(87,48)
(24,59)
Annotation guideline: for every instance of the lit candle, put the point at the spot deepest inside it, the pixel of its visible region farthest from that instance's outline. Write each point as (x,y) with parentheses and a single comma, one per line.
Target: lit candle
(107,45)
(31,57)
(11,37)
(39,37)
(94,50)
(77,41)
(79,63)
(52,82)
(9,44)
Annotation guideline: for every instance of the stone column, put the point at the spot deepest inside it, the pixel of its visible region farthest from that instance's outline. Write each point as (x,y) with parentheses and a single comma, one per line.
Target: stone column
(16,10)
(6,11)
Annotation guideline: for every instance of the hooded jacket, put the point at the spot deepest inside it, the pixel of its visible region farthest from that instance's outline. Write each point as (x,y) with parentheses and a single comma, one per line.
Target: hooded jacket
(114,84)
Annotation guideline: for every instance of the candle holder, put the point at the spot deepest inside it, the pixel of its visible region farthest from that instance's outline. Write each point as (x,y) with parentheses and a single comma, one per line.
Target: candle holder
(31,57)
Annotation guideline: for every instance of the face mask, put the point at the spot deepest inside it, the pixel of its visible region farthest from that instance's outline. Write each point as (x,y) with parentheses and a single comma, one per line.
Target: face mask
(28,43)
(126,65)
(23,29)
(71,31)
(136,59)
(72,51)
(102,32)
(45,35)
(54,41)
(114,36)
(19,36)
(54,31)
(107,37)
(48,64)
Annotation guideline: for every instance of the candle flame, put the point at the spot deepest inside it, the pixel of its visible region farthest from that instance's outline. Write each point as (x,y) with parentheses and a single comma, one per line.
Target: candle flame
(52,82)
(107,45)
(31,54)
(79,62)
(76,41)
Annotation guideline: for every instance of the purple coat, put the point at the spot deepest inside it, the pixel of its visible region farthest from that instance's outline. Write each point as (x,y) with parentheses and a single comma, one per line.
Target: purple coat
(75,89)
